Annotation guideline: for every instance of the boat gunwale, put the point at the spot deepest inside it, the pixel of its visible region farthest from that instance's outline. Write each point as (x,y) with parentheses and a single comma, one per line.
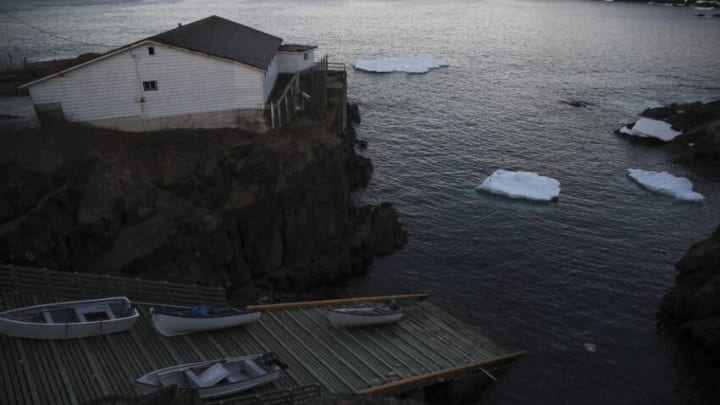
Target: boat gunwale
(202,316)
(143,380)
(134,313)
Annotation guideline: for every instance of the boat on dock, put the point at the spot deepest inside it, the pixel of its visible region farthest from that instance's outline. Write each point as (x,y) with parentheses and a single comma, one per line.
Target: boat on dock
(174,321)
(365,315)
(216,378)
(69,320)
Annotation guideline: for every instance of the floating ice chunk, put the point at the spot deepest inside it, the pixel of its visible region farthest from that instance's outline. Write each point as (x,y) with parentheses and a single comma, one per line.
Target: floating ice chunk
(409,64)
(666,183)
(590,347)
(527,185)
(625,130)
(650,128)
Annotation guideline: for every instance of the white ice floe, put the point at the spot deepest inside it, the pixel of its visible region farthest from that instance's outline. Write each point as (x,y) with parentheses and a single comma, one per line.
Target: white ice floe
(666,183)
(590,347)
(409,64)
(527,185)
(650,128)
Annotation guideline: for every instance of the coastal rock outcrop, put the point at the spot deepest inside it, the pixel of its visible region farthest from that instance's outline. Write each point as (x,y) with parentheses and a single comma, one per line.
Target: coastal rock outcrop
(257,214)
(699,124)
(694,301)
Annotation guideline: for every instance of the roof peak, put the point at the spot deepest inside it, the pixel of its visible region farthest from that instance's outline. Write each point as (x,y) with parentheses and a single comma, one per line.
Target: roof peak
(218,36)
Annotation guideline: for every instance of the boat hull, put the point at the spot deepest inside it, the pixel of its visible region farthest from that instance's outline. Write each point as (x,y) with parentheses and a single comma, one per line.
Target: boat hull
(49,328)
(151,382)
(174,325)
(349,320)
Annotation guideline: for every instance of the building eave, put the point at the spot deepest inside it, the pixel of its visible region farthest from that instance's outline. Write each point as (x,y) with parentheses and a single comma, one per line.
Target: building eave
(130,47)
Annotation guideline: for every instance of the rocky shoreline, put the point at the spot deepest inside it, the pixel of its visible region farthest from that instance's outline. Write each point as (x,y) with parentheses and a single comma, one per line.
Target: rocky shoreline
(692,306)
(699,124)
(261,215)
(693,303)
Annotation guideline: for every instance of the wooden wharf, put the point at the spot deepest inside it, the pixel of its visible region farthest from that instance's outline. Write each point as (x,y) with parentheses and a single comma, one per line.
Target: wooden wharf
(426,347)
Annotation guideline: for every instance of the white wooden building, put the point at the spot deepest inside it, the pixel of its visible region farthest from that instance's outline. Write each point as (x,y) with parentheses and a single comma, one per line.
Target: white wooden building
(212,73)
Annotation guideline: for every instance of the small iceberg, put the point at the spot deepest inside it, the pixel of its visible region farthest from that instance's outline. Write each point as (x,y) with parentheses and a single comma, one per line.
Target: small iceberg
(666,183)
(527,185)
(409,64)
(650,128)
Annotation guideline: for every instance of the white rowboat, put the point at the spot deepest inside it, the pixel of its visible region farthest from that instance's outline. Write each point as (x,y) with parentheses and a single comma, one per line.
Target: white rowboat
(364,315)
(216,378)
(69,320)
(181,321)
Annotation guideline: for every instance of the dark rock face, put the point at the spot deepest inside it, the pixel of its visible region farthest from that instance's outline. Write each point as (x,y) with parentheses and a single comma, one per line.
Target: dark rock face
(577,103)
(699,123)
(694,302)
(257,214)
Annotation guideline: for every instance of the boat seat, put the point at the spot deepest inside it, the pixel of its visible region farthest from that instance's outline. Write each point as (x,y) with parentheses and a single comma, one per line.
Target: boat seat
(80,316)
(48,318)
(207,378)
(252,369)
(233,378)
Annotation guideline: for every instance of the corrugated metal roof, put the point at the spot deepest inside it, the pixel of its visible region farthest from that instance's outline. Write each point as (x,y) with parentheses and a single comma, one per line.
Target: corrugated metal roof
(224,38)
(339,361)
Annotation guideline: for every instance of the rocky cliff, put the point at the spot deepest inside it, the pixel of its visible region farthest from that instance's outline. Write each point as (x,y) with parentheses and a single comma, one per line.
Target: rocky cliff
(258,214)
(694,302)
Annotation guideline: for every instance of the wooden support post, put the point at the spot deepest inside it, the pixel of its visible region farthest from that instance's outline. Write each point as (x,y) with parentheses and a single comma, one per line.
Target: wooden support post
(287,111)
(272,115)
(279,113)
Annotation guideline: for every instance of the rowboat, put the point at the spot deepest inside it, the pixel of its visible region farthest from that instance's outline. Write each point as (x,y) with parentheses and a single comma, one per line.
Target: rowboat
(174,321)
(69,320)
(365,315)
(216,378)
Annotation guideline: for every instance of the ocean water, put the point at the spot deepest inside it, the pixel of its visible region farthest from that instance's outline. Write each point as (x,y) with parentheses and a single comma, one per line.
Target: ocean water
(551,279)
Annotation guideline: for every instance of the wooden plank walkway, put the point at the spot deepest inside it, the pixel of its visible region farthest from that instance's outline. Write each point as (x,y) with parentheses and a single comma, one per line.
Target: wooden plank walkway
(426,345)
(85,286)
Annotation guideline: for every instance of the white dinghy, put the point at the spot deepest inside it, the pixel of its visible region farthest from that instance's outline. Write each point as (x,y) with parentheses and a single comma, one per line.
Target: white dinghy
(69,320)
(174,321)
(365,315)
(216,378)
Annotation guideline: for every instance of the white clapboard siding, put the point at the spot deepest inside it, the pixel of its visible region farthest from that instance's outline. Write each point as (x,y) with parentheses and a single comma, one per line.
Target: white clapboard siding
(187,82)
(293,62)
(270,78)
(105,89)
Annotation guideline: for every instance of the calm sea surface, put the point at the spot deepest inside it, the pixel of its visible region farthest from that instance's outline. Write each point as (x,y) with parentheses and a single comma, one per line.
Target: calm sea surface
(545,278)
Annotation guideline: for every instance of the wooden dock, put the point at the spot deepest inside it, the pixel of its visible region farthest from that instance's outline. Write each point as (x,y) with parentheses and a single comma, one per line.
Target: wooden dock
(429,345)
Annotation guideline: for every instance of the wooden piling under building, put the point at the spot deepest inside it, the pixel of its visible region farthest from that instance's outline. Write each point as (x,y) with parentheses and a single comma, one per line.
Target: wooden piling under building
(426,347)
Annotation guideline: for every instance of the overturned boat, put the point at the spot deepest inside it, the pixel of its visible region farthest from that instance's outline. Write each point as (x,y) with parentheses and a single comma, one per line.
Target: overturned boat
(69,320)
(216,378)
(365,315)
(174,321)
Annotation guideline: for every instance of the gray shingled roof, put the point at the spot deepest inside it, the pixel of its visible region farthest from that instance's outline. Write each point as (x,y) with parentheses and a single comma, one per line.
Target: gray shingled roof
(224,38)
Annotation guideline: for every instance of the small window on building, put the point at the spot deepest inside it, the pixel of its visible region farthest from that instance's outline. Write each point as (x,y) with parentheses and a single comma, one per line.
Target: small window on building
(150,86)
(151,50)
(305,56)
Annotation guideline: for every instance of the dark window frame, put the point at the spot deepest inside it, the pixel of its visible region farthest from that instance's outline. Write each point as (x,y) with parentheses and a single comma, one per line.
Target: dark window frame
(150,85)
(151,50)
